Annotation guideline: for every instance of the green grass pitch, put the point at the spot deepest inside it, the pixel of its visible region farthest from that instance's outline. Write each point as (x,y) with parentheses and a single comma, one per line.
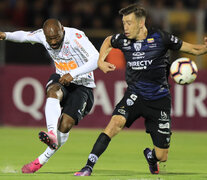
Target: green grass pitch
(123,160)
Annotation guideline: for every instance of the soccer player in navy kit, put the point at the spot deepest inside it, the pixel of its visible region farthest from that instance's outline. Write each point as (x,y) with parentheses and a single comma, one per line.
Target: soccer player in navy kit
(147,94)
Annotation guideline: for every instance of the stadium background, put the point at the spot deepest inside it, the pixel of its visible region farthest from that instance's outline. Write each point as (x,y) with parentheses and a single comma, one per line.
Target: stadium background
(25,68)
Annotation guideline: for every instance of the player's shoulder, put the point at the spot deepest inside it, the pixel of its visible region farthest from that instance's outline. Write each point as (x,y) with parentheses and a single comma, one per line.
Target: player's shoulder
(153,31)
(36,32)
(73,32)
(119,40)
(157,32)
(118,36)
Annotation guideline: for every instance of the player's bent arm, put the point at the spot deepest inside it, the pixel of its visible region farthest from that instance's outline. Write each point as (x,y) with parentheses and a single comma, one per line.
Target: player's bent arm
(87,67)
(194,49)
(104,51)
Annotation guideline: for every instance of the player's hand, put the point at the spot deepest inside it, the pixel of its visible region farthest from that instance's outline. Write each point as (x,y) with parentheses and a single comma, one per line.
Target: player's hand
(2,35)
(66,79)
(106,67)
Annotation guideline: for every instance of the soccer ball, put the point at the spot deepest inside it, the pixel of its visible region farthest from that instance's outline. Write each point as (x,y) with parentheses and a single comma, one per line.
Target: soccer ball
(183,71)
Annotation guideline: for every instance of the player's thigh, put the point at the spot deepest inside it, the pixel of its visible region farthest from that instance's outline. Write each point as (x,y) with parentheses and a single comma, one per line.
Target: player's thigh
(129,107)
(158,121)
(78,103)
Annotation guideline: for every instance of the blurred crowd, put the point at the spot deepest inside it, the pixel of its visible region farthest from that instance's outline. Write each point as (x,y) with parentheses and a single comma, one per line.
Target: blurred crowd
(96,14)
(186,19)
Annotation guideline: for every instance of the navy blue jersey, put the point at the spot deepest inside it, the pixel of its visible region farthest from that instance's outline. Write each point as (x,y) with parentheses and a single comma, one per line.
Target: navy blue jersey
(147,62)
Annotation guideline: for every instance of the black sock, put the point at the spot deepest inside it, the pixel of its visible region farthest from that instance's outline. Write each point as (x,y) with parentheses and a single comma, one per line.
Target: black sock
(98,148)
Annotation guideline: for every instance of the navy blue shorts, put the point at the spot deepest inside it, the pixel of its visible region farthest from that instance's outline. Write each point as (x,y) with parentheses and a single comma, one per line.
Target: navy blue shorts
(156,114)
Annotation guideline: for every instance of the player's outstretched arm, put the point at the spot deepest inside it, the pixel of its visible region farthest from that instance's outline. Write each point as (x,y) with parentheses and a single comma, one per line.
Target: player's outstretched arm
(195,49)
(104,51)
(2,35)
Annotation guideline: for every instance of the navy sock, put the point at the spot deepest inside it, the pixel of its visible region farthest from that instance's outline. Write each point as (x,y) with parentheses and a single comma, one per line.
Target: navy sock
(154,159)
(98,148)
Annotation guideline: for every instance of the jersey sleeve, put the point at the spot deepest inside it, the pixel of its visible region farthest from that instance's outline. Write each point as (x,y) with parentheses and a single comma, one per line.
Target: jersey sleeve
(88,51)
(85,45)
(116,41)
(171,42)
(26,36)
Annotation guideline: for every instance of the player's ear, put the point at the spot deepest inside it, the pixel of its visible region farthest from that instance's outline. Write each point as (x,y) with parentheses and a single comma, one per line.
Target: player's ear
(141,22)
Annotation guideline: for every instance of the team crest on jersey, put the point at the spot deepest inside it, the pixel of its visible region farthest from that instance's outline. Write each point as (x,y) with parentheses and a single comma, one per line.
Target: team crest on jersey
(66,51)
(137,46)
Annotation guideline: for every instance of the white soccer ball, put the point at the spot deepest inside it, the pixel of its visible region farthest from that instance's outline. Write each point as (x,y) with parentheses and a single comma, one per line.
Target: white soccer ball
(183,71)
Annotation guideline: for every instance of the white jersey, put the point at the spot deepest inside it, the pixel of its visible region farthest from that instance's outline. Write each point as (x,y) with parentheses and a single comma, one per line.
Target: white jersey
(76,56)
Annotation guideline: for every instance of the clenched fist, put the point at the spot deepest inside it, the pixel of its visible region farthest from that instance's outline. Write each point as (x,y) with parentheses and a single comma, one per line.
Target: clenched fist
(2,35)
(66,79)
(106,66)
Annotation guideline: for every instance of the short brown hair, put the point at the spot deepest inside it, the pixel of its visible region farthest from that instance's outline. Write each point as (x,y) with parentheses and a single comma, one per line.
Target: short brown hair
(134,8)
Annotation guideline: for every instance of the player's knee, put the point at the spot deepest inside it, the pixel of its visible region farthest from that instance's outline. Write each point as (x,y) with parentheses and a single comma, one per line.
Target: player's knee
(55,91)
(66,123)
(65,127)
(118,121)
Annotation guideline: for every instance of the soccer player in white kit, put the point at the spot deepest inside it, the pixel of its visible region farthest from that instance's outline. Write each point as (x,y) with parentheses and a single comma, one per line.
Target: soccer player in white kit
(69,90)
